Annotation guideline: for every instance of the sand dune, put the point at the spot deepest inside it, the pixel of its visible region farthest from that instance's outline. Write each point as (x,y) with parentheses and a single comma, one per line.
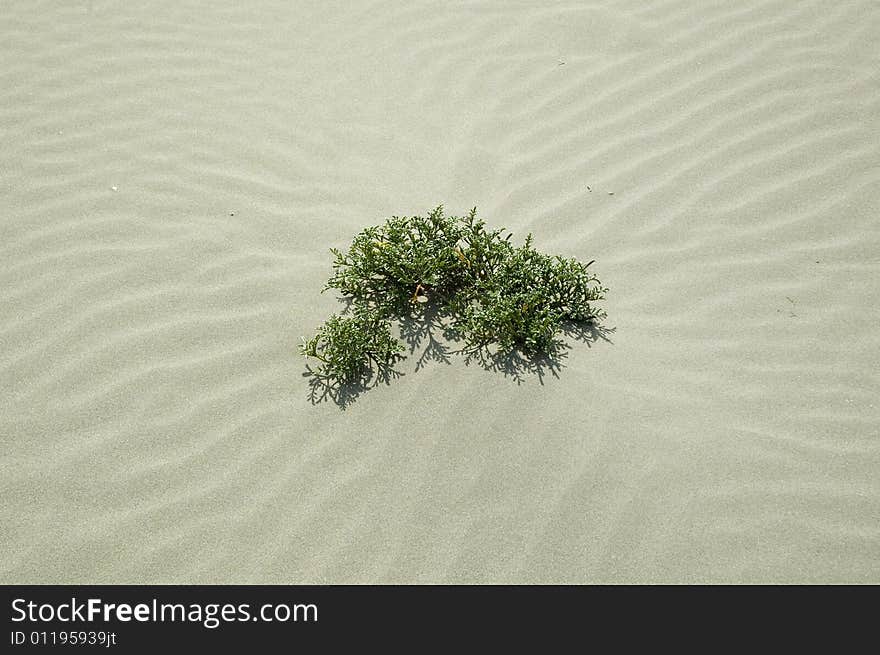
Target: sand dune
(174,174)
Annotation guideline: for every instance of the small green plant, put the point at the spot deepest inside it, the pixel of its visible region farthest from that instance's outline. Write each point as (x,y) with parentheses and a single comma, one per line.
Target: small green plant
(489,294)
(351,347)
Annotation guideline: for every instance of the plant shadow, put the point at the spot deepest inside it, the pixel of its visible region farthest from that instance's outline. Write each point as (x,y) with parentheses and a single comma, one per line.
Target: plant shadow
(420,333)
(429,336)
(518,366)
(327,388)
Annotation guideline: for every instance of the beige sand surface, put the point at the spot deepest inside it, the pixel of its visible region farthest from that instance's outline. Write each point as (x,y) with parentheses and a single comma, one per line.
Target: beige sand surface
(173,174)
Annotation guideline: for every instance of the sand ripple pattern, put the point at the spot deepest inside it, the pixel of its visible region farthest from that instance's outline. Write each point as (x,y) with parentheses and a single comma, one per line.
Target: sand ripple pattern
(174,172)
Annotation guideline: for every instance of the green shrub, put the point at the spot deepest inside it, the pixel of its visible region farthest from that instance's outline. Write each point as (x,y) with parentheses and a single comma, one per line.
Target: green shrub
(490,293)
(350,347)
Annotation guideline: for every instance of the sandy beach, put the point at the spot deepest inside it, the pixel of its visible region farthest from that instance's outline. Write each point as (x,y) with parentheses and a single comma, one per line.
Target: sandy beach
(174,174)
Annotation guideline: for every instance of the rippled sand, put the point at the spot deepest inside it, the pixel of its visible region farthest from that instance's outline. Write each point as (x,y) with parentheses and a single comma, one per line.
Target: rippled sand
(173,175)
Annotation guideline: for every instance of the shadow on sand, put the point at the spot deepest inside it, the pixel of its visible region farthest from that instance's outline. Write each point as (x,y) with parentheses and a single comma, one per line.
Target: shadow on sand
(433,341)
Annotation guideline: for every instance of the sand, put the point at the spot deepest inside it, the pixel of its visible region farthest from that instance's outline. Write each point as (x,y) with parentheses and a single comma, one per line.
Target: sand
(173,175)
